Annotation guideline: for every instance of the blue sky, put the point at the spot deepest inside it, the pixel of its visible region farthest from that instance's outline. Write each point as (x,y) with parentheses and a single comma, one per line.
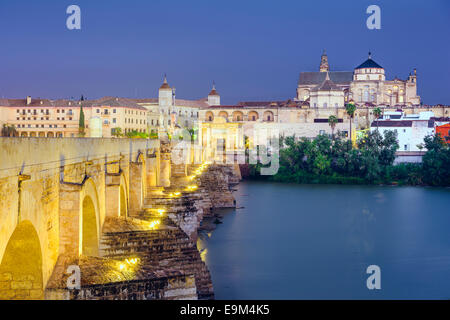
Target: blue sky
(254,50)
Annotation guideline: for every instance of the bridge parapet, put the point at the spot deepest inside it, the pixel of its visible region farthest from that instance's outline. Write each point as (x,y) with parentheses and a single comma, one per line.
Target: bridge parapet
(64,189)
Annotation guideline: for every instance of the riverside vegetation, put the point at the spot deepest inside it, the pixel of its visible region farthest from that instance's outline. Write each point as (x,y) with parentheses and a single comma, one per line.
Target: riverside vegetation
(335,160)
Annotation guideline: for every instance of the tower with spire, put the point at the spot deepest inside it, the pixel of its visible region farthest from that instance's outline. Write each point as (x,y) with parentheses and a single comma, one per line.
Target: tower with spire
(324,67)
(213,96)
(165,95)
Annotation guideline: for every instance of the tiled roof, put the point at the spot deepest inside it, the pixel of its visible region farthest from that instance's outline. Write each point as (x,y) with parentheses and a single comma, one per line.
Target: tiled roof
(338,77)
(369,63)
(118,102)
(191,103)
(327,85)
(145,100)
(63,103)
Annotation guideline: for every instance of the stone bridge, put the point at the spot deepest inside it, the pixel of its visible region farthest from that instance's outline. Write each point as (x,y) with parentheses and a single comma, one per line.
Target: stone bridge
(117,212)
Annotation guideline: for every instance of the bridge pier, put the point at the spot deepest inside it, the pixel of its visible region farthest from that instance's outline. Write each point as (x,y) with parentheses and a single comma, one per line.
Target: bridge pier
(137,182)
(69,219)
(152,170)
(112,195)
(166,171)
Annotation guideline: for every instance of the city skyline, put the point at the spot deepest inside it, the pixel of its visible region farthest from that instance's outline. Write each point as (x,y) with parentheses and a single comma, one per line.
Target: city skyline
(256,57)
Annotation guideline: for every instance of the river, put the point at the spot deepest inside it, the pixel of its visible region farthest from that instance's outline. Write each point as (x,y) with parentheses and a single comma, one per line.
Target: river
(315,242)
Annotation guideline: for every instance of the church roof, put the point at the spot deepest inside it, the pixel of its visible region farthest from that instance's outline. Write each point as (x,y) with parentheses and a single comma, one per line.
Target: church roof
(326,85)
(338,77)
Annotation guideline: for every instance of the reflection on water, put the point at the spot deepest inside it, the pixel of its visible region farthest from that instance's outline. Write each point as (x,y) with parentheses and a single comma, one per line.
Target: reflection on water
(316,241)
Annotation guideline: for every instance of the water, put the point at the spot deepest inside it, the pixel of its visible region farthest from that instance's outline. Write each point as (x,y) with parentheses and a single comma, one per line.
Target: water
(316,241)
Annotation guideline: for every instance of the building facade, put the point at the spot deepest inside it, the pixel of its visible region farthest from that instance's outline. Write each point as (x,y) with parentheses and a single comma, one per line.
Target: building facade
(60,118)
(366,84)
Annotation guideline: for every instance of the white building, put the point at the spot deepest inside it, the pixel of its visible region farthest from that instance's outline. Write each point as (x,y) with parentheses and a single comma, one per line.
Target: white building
(411,129)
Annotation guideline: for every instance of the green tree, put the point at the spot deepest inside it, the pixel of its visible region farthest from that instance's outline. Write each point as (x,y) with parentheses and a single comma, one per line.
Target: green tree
(436,162)
(377,113)
(134,134)
(81,125)
(350,108)
(116,132)
(332,121)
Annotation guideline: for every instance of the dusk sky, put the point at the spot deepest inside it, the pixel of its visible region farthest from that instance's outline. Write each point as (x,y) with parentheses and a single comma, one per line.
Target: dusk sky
(254,50)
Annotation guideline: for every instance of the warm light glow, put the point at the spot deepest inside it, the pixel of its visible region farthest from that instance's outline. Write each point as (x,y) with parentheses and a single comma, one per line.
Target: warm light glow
(122,266)
(132,261)
(154,224)
(191,188)
(161,211)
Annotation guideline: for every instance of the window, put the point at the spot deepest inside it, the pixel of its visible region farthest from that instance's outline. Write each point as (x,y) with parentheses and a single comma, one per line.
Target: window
(321,132)
(114,110)
(114,120)
(325,105)
(406,147)
(98,110)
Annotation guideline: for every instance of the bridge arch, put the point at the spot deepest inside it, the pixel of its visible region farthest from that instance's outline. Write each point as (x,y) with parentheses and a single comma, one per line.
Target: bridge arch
(89,219)
(21,265)
(123,196)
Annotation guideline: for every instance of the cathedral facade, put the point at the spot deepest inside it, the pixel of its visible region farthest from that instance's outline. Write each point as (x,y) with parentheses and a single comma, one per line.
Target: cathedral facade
(366,85)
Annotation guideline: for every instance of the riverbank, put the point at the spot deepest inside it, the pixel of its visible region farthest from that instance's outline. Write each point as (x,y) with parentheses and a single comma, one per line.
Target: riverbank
(324,160)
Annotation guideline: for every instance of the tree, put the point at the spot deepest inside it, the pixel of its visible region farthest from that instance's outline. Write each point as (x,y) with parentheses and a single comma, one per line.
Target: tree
(436,162)
(81,126)
(350,108)
(9,130)
(332,121)
(116,132)
(377,113)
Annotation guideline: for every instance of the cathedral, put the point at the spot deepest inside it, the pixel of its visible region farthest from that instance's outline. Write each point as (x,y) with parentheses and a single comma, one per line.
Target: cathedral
(366,85)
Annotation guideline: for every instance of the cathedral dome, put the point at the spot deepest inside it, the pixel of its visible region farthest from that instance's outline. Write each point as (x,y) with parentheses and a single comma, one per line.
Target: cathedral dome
(369,64)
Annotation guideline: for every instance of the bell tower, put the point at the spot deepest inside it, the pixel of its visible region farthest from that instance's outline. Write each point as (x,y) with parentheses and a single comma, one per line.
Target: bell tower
(324,67)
